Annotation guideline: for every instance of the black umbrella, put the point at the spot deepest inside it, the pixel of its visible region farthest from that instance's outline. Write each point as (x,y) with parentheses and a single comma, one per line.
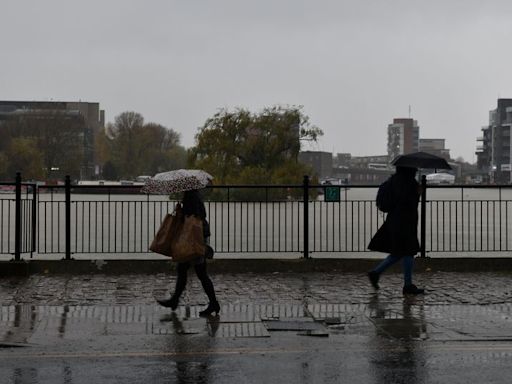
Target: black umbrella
(421,160)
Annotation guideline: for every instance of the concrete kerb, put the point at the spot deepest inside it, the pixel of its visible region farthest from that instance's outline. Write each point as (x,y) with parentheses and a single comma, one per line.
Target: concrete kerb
(467,264)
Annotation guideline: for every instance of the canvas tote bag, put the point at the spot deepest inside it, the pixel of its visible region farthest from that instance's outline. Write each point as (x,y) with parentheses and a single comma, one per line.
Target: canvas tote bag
(190,242)
(168,232)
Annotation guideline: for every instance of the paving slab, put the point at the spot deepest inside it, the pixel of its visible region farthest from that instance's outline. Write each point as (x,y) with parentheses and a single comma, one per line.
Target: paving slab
(271,328)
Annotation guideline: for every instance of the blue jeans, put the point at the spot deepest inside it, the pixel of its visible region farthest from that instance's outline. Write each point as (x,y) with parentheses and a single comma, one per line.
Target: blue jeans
(407,265)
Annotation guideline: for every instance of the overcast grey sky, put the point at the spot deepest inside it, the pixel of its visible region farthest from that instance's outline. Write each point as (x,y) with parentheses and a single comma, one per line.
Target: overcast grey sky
(353,64)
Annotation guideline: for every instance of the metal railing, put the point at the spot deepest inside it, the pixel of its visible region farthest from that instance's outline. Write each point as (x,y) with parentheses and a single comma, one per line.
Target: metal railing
(17,234)
(470,224)
(69,219)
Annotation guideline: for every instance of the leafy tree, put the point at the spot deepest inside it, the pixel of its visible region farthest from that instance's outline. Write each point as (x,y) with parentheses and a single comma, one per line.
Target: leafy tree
(110,171)
(4,164)
(58,137)
(242,147)
(25,157)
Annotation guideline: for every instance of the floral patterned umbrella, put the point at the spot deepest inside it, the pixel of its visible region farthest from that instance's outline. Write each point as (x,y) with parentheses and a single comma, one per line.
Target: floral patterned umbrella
(179,180)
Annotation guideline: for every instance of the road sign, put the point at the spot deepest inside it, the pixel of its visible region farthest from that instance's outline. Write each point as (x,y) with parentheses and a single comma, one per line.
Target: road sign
(332,193)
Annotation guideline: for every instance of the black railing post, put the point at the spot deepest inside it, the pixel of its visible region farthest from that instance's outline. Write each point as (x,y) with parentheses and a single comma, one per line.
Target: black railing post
(68,216)
(306,216)
(17,218)
(423,217)
(34,217)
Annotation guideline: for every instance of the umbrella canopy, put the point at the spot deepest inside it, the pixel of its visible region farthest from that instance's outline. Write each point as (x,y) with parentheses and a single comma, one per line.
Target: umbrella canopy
(179,180)
(421,160)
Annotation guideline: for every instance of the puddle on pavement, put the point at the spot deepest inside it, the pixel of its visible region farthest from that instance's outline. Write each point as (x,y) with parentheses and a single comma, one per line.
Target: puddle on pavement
(238,330)
(22,325)
(290,325)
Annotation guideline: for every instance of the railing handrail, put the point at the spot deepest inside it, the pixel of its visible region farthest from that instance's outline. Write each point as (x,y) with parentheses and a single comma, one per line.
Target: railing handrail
(304,207)
(346,186)
(14,183)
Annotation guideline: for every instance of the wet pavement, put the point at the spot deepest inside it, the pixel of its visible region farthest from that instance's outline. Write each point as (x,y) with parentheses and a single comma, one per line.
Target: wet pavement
(273,328)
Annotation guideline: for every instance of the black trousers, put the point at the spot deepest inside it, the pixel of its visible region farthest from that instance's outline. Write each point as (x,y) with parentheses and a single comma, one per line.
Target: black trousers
(206,282)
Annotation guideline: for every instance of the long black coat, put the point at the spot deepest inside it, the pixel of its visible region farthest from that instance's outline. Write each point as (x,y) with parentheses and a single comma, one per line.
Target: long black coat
(399,233)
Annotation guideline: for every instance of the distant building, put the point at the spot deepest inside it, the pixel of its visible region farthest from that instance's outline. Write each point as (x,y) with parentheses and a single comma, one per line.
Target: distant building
(321,162)
(370,162)
(367,170)
(93,121)
(435,147)
(403,137)
(483,151)
(361,175)
(494,154)
(342,160)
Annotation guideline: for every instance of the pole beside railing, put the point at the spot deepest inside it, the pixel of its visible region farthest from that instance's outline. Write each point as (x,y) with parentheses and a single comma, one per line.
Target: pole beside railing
(67,191)
(17,218)
(34,218)
(306,215)
(423,218)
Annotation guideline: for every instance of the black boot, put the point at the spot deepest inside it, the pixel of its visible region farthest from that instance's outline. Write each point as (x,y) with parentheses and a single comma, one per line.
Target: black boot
(411,289)
(374,279)
(212,307)
(169,303)
(207,284)
(181,283)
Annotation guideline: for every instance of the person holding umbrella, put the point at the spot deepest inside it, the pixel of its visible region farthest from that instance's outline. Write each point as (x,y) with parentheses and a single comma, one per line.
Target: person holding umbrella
(398,235)
(193,205)
(188,181)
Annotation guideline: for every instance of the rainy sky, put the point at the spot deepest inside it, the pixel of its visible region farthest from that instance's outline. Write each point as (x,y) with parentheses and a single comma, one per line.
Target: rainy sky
(353,64)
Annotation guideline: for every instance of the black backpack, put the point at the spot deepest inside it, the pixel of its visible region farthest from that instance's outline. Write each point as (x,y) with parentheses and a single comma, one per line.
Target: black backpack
(385,196)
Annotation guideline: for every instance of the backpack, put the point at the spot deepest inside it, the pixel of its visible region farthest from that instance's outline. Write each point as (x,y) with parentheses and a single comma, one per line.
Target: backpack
(385,196)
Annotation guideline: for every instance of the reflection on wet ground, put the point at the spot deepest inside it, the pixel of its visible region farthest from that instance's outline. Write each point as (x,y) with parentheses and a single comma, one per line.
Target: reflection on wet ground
(376,342)
(406,323)
(397,331)
(409,319)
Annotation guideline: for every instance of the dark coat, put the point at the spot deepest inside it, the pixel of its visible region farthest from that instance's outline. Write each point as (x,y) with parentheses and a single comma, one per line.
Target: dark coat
(399,233)
(193,205)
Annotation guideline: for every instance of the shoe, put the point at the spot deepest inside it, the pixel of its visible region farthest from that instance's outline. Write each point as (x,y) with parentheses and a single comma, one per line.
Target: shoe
(212,307)
(169,303)
(411,289)
(374,279)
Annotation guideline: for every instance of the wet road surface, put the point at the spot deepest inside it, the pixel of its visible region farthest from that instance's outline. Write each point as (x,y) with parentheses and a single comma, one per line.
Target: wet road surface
(273,328)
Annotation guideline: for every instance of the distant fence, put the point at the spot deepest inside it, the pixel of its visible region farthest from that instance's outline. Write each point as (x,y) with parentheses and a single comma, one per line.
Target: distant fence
(304,219)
